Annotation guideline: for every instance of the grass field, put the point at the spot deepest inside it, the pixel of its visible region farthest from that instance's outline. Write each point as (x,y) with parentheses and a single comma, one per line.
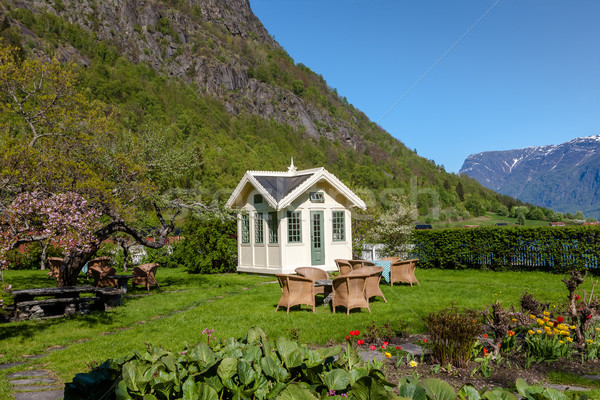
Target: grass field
(489,219)
(232,303)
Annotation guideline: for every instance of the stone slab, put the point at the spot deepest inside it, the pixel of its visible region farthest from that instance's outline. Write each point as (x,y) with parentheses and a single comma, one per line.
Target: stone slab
(27,374)
(35,357)
(562,388)
(11,365)
(45,395)
(413,349)
(35,388)
(368,356)
(33,381)
(592,377)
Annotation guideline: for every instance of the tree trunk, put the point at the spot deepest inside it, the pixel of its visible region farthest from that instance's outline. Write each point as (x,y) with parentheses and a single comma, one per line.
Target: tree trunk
(44,246)
(72,265)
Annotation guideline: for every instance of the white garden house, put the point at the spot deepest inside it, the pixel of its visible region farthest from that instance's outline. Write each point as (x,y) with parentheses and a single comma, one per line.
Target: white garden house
(292,219)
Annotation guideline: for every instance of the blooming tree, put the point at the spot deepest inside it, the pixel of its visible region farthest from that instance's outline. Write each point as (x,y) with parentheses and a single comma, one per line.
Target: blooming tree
(66,219)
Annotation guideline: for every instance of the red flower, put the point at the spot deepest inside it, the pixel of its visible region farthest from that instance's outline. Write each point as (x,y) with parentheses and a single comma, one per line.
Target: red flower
(360,342)
(356,332)
(372,347)
(589,317)
(424,340)
(347,337)
(485,352)
(485,335)
(383,346)
(577,297)
(385,343)
(510,333)
(398,347)
(351,333)
(555,323)
(559,319)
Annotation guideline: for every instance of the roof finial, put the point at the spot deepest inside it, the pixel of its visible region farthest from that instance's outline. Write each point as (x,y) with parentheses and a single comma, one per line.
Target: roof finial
(292,167)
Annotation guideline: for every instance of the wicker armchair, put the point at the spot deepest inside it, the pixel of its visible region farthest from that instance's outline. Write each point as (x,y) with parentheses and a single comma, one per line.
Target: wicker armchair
(372,288)
(296,290)
(99,274)
(99,262)
(145,275)
(356,264)
(349,291)
(313,274)
(343,266)
(402,270)
(54,265)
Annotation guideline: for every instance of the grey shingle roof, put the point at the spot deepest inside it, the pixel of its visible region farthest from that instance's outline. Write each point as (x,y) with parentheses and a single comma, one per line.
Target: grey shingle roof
(281,186)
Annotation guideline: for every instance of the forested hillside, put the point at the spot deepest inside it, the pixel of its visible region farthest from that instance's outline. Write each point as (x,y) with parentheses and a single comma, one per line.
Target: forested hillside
(205,83)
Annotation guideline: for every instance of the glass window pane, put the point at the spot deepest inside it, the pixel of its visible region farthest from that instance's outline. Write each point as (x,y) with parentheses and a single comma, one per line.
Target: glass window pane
(294,227)
(258,228)
(338,225)
(245,228)
(273,223)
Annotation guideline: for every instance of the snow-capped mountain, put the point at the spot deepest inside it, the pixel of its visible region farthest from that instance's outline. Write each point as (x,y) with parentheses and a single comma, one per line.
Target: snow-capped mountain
(564,177)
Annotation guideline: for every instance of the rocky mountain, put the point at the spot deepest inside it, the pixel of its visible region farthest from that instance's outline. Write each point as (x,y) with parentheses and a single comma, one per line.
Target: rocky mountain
(564,177)
(208,73)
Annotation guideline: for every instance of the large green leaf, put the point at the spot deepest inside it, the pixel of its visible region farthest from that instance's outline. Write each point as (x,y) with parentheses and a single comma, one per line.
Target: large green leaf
(245,372)
(367,388)
(255,335)
(553,394)
(438,390)
(326,352)
(206,392)
(188,389)
(227,368)
(121,391)
(294,359)
(498,394)
(412,391)
(295,392)
(252,353)
(286,346)
(336,379)
(313,358)
(268,366)
(203,355)
(468,392)
(131,376)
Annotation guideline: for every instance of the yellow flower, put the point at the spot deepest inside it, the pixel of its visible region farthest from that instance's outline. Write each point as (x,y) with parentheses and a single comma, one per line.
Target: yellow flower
(569,339)
(540,322)
(555,331)
(549,333)
(530,332)
(598,329)
(539,331)
(546,313)
(547,329)
(413,363)
(564,332)
(561,342)
(532,316)
(388,355)
(562,327)
(590,341)
(550,323)
(546,319)
(572,327)
(514,320)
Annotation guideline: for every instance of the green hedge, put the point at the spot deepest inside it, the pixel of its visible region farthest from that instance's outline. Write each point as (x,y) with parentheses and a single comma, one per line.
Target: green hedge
(502,248)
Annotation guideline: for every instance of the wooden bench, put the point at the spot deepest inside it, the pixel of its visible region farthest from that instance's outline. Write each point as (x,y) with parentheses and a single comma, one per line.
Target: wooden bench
(62,301)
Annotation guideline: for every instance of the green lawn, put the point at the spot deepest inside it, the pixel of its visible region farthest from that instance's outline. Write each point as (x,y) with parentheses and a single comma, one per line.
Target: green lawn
(231,303)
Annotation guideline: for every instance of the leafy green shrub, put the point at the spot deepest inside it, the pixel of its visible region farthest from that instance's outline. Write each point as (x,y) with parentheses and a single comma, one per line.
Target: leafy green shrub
(253,367)
(502,248)
(210,244)
(386,332)
(452,336)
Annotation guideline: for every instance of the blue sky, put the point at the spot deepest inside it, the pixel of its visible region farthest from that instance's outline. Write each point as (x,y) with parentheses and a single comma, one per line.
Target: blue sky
(444,80)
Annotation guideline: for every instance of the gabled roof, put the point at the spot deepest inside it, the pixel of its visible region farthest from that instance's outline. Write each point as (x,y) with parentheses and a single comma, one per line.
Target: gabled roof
(280,188)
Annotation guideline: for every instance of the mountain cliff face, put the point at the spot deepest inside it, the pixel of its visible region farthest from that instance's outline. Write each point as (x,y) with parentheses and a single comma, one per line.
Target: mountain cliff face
(563,177)
(220,45)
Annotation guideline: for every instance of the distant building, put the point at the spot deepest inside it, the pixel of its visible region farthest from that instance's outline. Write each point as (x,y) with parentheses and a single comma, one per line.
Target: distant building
(557,224)
(292,219)
(423,226)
